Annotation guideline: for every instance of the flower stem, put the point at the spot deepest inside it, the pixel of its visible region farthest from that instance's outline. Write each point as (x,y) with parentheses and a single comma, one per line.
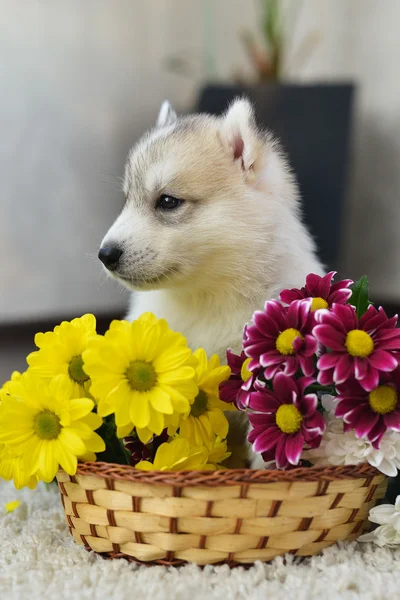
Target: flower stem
(115,451)
(324,389)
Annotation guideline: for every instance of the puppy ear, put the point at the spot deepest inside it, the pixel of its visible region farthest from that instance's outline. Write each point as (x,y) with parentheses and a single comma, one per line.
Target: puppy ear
(167,115)
(239,134)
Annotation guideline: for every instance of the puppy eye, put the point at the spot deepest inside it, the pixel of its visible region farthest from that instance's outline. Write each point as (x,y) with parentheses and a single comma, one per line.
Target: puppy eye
(166,202)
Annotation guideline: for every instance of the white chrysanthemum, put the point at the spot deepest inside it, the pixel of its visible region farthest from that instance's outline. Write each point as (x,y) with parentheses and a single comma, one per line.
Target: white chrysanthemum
(339,448)
(388,517)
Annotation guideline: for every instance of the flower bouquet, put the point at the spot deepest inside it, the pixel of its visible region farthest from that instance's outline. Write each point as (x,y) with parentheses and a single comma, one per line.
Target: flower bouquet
(133,425)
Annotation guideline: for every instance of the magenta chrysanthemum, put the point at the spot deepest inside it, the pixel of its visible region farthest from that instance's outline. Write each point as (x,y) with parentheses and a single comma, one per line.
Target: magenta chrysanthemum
(372,413)
(280,339)
(361,348)
(238,387)
(285,420)
(321,291)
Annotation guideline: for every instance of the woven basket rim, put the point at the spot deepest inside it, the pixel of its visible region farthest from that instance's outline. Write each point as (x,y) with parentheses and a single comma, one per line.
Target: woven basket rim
(225,477)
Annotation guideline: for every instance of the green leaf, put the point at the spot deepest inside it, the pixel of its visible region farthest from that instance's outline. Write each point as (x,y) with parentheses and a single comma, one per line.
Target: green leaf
(359,296)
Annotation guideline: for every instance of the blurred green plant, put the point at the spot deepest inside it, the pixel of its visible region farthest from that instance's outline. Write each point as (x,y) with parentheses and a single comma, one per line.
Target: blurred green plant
(267,48)
(269,58)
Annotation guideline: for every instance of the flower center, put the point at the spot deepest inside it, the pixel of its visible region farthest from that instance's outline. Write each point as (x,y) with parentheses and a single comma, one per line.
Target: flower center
(284,341)
(75,370)
(359,343)
(141,376)
(318,303)
(47,425)
(288,418)
(200,404)
(245,374)
(383,399)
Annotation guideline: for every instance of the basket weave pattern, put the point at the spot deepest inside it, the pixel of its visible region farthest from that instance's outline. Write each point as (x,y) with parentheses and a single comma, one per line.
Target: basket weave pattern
(235,516)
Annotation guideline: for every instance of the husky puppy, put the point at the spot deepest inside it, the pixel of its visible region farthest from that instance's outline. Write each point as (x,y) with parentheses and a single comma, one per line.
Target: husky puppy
(211,227)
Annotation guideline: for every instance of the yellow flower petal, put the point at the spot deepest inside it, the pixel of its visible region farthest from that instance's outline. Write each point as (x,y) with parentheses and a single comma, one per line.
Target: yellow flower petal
(48,464)
(67,459)
(71,440)
(219,422)
(160,401)
(124,430)
(145,465)
(80,408)
(11,506)
(139,411)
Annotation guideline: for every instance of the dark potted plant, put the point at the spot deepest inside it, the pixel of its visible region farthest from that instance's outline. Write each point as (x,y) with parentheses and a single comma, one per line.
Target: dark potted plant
(312,121)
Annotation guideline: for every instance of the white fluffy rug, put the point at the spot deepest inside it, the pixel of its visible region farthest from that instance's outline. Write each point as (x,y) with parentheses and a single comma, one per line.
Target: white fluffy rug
(38,559)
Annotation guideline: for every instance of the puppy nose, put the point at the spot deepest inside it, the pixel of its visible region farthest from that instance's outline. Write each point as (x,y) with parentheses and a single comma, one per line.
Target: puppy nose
(109,256)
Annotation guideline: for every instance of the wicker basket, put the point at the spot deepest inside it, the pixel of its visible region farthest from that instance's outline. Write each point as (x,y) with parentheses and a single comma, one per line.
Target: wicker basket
(234,516)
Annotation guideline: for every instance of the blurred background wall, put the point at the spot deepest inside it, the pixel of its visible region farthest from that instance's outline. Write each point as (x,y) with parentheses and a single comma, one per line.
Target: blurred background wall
(81,81)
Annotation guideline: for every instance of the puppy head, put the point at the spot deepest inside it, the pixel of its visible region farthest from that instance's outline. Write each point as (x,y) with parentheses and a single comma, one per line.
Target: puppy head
(189,187)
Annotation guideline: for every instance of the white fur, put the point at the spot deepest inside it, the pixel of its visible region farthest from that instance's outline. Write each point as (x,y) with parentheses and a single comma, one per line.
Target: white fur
(237,241)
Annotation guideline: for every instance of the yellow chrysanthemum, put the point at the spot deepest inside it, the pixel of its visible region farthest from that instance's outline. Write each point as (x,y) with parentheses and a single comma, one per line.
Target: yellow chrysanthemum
(218,453)
(206,418)
(60,352)
(178,455)
(7,386)
(142,372)
(11,467)
(43,428)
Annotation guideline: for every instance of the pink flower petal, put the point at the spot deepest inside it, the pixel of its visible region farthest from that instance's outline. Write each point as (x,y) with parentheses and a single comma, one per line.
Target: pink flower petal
(366,421)
(313,442)
(309,346)
(266,325)
(346,314)
(284,387)
(273,357)
(346,405)
(312,284)
(261,420)
(270,372)
(351,389)
(291,366)
(304,382)
(234,361)
(330,337)
(254,350)
(325,377)
(324,286)
(376,434)
(354,415)
(329,360)
(280,454)
(360,367)
(267,440)
(392,420)
(289,296)
(228,390)
(385,334)
(340,296)
(307,365)
(392,344)
(276,311)
(344,369)
(345,283)
(264,402)
(314,426)
(383,361)
(372,318)
(242,400)
(307,405)
(371,381)
(294,447)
